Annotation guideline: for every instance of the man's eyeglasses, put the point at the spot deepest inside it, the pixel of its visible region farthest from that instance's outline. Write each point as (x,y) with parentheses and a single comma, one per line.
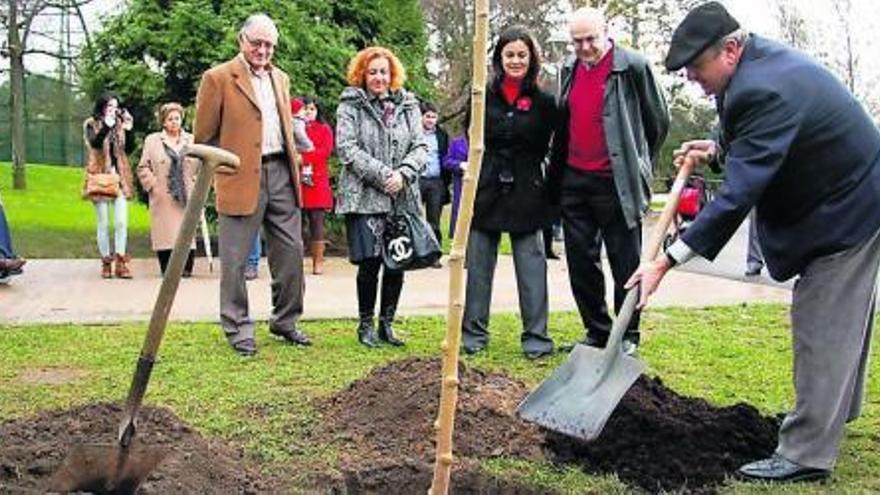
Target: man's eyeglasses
(268,45)
(590,40)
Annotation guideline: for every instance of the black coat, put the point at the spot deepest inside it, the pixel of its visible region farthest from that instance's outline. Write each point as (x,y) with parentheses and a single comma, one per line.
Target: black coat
(511,194)
(803,150)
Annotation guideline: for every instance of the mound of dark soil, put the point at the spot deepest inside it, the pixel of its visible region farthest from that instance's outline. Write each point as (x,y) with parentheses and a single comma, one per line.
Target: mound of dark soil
(32,448)
(384,423)
(657,439)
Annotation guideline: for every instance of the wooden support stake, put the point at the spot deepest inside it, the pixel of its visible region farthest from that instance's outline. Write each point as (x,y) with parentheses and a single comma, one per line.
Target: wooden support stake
(455,312)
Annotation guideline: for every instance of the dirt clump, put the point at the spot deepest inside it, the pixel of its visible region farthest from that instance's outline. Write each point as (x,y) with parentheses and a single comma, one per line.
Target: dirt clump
(31,449)
(659,440)
(384,426)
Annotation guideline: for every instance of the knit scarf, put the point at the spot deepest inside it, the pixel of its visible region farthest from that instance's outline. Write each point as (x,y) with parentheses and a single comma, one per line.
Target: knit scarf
(176,184)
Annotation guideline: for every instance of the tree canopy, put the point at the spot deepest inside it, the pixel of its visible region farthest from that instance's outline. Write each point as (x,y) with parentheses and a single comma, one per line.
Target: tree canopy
(155,51)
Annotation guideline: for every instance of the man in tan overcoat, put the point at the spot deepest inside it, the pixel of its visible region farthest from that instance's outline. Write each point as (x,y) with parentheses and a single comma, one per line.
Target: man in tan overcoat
(243,106)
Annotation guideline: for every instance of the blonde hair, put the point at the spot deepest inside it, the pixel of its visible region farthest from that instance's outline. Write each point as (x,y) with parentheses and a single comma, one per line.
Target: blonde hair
(357,67)
(167,108)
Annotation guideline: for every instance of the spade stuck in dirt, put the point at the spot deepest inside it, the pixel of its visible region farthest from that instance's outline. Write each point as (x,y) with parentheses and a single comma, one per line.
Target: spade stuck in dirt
(120,468)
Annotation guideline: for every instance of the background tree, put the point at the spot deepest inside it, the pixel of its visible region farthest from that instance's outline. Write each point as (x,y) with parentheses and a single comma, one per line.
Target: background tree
(156,51)
(18,18)
(450,28)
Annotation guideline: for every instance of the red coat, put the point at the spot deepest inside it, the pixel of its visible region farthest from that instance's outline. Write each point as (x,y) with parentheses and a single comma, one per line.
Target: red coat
(318,196)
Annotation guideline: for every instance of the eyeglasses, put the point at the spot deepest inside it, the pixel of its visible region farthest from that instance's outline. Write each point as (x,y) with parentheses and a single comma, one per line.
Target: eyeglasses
(268,45)
(593,39)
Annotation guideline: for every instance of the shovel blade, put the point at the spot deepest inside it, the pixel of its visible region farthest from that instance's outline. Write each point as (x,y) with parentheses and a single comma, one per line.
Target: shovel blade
(580,395)
(105,469)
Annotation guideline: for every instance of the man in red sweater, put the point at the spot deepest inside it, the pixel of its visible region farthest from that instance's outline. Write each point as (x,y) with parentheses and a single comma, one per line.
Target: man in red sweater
(613,121)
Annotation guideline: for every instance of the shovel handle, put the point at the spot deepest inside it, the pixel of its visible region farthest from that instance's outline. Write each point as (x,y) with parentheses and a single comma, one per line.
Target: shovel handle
(213,160)
(650,252)
(655,242)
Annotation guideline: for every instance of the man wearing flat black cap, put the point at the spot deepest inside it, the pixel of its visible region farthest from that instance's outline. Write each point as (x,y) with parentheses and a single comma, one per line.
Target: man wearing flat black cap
(799,148)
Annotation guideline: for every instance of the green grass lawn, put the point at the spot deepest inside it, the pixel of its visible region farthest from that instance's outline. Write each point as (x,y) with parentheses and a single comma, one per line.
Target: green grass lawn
(725,354)
(51,220)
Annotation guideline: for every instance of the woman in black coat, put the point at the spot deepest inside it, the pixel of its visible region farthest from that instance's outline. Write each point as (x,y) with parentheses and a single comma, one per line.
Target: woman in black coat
(511,194)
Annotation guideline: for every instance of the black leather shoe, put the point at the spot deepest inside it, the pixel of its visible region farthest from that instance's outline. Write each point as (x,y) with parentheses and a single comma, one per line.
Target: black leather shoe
(630,347)
(245,348)
(778,469)
(471,350)
(532,355)
(589,340)
(753,271)
(293,337)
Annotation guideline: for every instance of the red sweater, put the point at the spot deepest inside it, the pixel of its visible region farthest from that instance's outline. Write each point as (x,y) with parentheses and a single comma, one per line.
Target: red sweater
(587,149)
(510,88)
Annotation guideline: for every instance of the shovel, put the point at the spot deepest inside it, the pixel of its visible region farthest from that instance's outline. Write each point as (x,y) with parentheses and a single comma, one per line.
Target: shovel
(580,395)
(121,467)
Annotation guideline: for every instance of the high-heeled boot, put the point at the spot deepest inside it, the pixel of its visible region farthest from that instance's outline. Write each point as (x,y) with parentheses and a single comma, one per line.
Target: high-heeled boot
(366,292)
(392,283)
(317,250)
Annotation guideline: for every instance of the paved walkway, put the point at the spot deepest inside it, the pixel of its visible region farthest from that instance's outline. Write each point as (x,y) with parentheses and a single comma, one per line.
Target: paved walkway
(70,291)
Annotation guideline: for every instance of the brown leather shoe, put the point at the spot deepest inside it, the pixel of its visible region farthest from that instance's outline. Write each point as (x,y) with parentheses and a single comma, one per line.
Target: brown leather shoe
(107,267)
(122,270)
(12,265)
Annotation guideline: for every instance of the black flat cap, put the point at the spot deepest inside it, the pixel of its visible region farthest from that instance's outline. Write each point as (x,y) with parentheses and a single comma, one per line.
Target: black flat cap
(701,27)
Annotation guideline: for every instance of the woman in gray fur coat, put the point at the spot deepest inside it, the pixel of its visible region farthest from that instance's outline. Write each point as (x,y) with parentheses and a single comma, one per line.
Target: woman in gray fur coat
(380,146)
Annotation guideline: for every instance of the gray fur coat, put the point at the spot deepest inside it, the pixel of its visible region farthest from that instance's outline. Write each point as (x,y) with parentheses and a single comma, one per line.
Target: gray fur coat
(369,150)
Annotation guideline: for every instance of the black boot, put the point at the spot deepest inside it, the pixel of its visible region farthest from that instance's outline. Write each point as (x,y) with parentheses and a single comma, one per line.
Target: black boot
(392,283)
(365,331)
(367,280)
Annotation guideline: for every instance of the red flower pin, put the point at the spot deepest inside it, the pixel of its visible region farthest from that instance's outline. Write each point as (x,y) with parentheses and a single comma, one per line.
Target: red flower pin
(524,104)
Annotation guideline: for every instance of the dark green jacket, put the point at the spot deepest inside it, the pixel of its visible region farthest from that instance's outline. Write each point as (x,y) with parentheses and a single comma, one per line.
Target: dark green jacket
(636,121)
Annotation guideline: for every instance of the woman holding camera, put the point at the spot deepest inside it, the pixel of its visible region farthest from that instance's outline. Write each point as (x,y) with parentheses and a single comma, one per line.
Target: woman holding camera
(108,179)
(167,177)
(380,146)
(511,195)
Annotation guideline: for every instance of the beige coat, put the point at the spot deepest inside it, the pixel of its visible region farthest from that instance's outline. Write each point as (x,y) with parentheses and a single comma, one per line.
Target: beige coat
(228,116)
(98,161)
(166,215)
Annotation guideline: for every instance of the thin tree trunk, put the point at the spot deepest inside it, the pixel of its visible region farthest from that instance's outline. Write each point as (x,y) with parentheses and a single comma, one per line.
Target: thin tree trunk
(449,379)
(16,98)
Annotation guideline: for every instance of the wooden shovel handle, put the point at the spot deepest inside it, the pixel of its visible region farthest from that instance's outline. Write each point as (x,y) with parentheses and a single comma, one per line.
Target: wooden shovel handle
(213,160)
(655,242)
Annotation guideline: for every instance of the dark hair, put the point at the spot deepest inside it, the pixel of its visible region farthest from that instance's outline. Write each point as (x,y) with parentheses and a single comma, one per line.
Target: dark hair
(319,114)
(101,103)
(426,106)
(509,35)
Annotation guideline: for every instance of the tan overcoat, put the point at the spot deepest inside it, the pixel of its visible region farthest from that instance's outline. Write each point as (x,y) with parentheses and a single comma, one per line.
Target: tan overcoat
(166,214)
(228,116)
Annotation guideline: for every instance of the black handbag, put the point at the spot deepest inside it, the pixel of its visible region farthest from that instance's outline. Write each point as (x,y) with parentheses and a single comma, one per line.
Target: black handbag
(408,243)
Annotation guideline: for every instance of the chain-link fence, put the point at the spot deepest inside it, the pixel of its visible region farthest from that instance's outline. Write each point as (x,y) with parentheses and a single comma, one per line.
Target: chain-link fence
(47,141)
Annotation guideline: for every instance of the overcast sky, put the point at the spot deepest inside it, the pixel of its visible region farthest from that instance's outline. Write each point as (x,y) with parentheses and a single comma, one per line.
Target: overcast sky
(755,15)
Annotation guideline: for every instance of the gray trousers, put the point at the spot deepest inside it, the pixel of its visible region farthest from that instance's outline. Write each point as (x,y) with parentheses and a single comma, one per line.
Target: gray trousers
(282,224)
(754,255)
(832,313)
(531,281)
